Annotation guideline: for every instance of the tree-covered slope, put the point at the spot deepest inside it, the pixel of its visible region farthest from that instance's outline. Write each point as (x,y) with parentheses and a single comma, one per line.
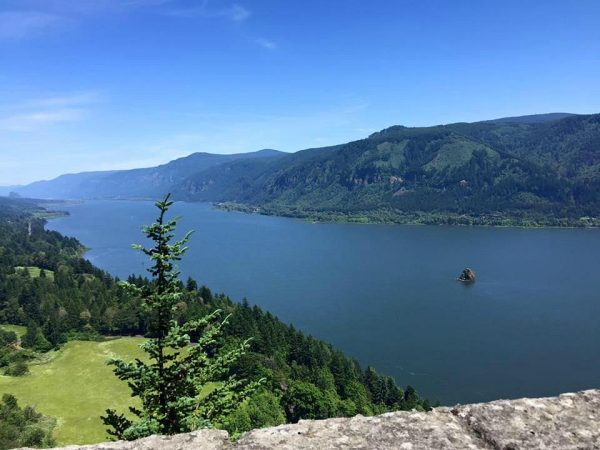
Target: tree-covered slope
(523,171)
(226,182)
(68,298)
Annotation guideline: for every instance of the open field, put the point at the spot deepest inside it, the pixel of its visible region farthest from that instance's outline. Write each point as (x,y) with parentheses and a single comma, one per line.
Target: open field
(75,386)
(34,272)
(18,329)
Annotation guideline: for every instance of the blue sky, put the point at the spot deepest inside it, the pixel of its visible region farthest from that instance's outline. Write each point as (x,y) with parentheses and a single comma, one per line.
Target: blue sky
(104,84)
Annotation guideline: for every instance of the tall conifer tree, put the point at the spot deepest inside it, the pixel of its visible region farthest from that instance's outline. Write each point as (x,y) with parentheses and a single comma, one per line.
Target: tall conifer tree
(181,387)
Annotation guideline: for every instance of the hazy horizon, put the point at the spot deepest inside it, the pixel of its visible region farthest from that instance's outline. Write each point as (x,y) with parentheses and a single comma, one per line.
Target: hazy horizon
(250,151)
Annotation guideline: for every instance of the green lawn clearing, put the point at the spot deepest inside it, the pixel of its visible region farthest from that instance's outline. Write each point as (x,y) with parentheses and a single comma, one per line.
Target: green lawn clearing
(34,272)
(75,386)
(18,329)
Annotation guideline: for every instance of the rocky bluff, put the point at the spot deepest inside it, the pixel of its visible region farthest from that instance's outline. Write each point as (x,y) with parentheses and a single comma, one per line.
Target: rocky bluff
(569,421)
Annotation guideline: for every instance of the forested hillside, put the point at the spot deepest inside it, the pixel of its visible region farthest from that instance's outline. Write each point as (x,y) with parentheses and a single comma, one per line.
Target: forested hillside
(519,172)
(530,170)
(47,286)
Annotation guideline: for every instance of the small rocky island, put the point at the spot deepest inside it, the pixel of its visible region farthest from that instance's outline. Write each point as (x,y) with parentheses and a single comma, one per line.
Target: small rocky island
(467,276)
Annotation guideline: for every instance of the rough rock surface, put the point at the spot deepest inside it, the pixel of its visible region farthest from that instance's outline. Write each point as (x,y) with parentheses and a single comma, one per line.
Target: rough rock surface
(201,439)
(567,422)
(467,276)
(570,421)
(402,430)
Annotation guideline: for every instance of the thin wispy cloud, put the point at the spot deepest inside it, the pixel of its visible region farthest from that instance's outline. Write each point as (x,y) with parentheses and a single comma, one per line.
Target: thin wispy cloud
(234,12)
(78,98)
(237,13)
(23,24)
(34,120)
(146,3)
(266,43)
(84,7)
(33,114)
(32,18)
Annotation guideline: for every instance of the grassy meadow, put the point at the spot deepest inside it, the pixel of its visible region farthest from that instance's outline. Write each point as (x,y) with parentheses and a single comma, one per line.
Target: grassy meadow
(18,329)
(34,272)
(75,386)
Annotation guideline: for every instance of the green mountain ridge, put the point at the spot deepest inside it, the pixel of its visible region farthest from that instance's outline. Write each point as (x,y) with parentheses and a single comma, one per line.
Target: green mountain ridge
(528,170)
(512,172)
(533,118)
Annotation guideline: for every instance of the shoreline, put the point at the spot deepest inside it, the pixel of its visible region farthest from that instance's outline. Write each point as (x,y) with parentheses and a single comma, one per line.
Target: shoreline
(411,219)
(408,219)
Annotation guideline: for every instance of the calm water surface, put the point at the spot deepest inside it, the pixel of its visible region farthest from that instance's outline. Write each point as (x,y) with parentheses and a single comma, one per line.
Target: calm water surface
(387,295)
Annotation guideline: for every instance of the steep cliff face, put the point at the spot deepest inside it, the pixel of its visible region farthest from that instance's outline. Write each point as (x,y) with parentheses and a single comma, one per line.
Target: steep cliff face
(570,421)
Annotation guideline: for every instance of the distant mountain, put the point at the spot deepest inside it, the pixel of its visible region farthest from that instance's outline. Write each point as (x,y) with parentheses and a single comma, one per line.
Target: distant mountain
(534,118)
(150,182)
(541,169)
(5,190)
(68,186)
(230,181)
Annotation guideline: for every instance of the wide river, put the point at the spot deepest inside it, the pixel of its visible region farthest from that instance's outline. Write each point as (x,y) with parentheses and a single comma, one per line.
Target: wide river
(388,295)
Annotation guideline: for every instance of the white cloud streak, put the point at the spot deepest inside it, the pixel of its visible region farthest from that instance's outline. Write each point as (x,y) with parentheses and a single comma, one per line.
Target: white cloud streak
(33,18)
(78,98)
(266,43)
(23,24)
(34,120)
(234,13)
(33,114)
(84,7)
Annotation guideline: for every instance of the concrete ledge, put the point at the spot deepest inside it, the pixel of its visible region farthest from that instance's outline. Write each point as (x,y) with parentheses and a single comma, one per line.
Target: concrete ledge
(570,421)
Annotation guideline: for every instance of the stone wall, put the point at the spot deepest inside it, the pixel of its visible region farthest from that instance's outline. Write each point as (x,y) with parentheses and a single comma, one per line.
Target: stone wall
(570,421)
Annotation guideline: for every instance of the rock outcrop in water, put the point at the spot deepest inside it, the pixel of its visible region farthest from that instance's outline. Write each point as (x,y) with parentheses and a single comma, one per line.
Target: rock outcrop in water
(467,276)
(567,422)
